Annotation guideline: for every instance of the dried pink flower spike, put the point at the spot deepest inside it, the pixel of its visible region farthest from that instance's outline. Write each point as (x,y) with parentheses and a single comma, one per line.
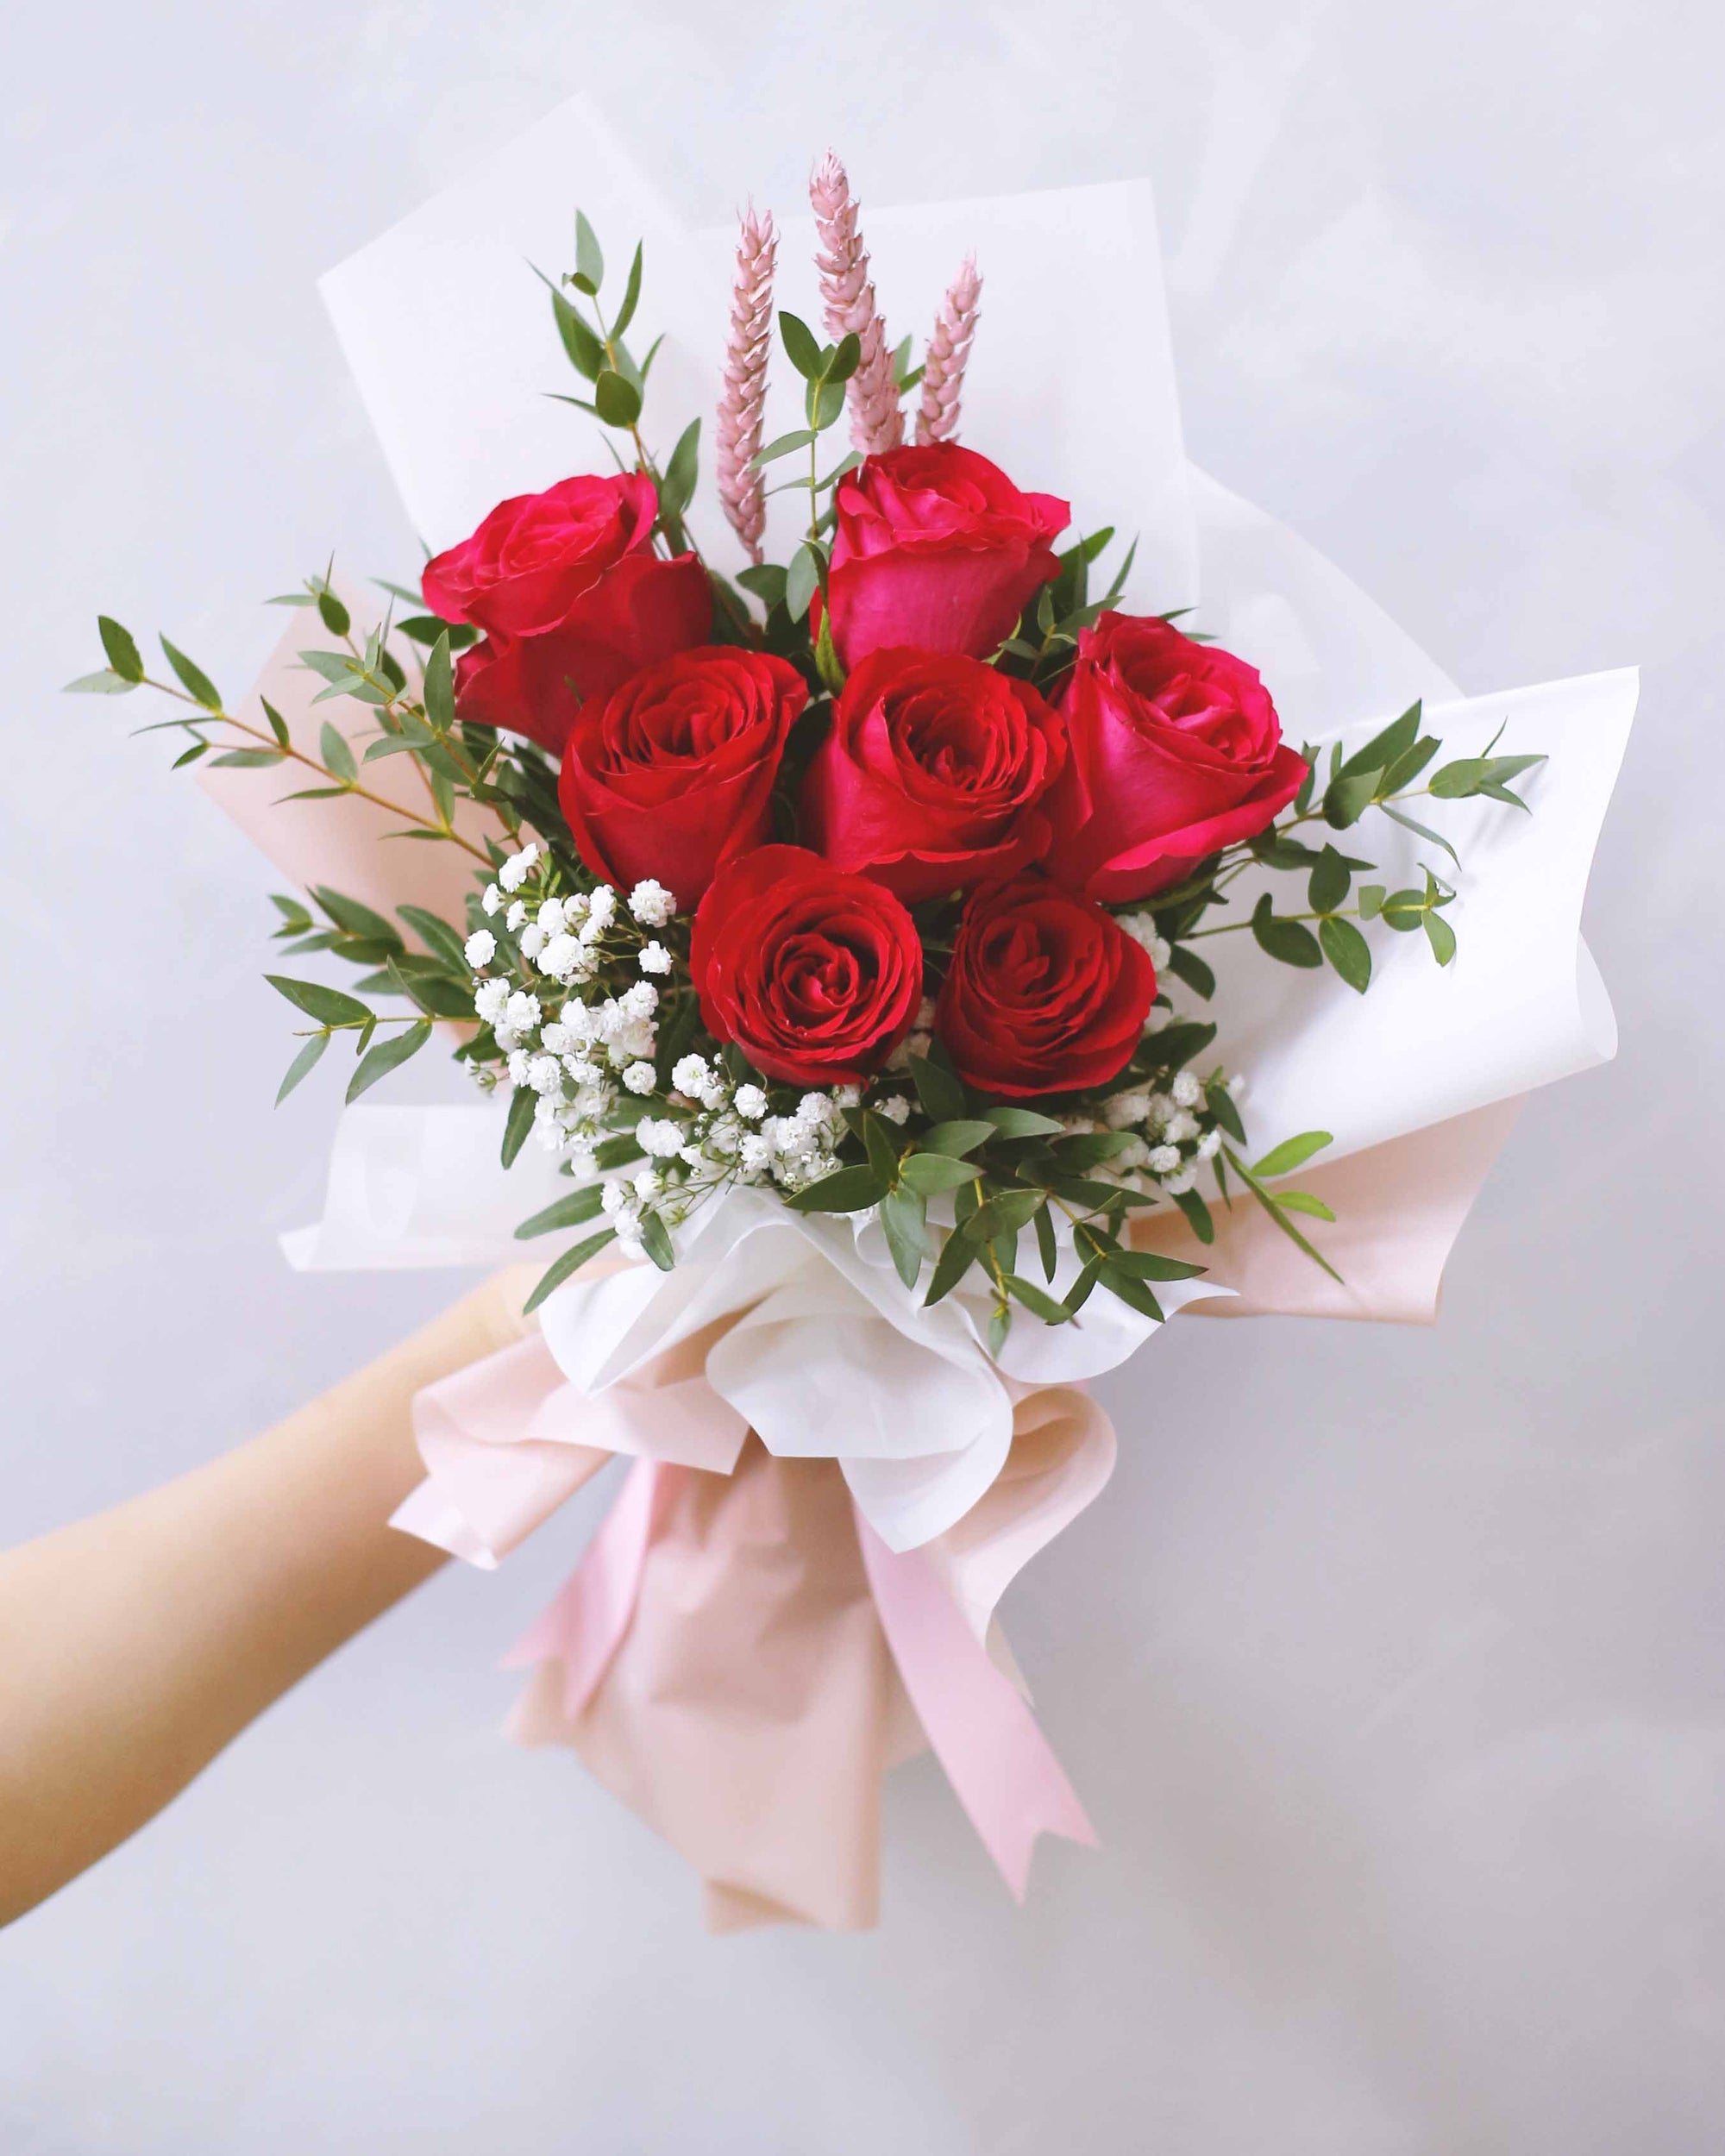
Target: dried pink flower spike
(742,403)
(949,349)
(876,423)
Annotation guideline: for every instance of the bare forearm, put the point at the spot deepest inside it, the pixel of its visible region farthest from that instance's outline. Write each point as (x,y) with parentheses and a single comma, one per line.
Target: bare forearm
(134,1646)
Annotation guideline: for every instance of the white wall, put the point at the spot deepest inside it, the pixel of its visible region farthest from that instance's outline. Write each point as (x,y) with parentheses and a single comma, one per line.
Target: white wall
(1392,1665)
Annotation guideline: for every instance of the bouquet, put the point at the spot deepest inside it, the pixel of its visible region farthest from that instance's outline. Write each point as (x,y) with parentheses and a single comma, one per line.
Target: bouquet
(835,942)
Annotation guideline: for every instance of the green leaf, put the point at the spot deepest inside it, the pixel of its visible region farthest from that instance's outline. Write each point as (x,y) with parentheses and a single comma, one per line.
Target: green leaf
(197,684)
(801,346)
(1000,1325)
(1008,1211)
(586,351)
(589,259)
(1329,882)
(388,1056)
(1088,1148)
(1023,1123)
(123,652)
(1370,901)
(1151,1265)
(677,489)
(567,1212)
(846,358)
(802,580)
(242,759)
(846,1190)
(522,1103)
(1222,1107)
(328,1006)
(959,1254)
(616,399)
(1347,950)
(1276,1212)
(337,752)
(1408,767)
(1404,910)
(1442,937)
(828,402)
(1423,830)
(631,296)
(1187,966)
(189,755)
(904,1218)
(883,1156)
(619,1151)
(333,615)
(106,683)
(1046,1247)
(1345,800)
(1197,1214)
(781,446)
(1289,942)
(1292,1153)
(1037,1300)
(278,724)
(1382,750)
(956,1138)
(302,1063)
(766,583)
(940,1090)
(656,1240)
(437,936)
(1303,1201)
(1133,1293)
(571,1262)
(932,1173)
(357,919)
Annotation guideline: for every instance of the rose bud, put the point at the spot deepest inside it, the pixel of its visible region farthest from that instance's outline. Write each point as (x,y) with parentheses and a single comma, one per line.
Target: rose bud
(931,777)
(572,598)
(1174,751)
(1044,992)
(934,546)
(672,773)
(815,975)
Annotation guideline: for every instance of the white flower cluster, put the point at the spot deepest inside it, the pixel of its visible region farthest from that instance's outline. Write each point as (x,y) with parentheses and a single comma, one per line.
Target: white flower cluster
(1169,1140)
(584,1046)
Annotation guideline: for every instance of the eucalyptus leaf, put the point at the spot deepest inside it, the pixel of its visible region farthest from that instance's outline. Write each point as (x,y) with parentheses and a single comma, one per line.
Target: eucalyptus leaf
(388,1056)
(571,1262)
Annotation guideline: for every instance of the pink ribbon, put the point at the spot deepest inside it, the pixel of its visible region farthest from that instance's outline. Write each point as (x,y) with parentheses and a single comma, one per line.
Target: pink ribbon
(1002,1769)
(583,1626)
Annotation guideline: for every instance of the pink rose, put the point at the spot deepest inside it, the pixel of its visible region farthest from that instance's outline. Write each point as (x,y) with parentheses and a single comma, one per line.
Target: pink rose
(933,776)
(1174,751)
(572,598)
(935,547)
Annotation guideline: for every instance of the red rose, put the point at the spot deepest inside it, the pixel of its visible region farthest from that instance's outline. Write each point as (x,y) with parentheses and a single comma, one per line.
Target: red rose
(572,598)
(1044,992)
(815,975)
(935,547)
(673,773)
(1174,751)
(930,775)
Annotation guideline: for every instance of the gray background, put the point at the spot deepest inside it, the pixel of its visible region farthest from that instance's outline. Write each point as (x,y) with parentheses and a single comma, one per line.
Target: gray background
(1391,1665)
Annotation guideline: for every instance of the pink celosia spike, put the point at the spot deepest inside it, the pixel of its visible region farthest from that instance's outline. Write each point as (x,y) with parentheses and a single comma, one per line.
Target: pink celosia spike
(876,423)
(949,349)
(742,403)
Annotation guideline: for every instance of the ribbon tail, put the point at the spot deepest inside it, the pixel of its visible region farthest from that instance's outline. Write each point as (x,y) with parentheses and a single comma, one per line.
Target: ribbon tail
(585,1625)
(1002,1767)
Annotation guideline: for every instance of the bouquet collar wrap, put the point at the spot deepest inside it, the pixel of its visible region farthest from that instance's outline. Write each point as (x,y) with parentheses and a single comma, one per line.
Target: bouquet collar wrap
(831,1489)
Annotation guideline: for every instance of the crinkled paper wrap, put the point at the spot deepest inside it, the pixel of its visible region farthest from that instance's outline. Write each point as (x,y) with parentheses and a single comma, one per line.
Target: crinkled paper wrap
(831,1486)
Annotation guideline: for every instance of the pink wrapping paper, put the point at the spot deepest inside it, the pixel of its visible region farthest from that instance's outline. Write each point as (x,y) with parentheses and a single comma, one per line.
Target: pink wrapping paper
(735,1657)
